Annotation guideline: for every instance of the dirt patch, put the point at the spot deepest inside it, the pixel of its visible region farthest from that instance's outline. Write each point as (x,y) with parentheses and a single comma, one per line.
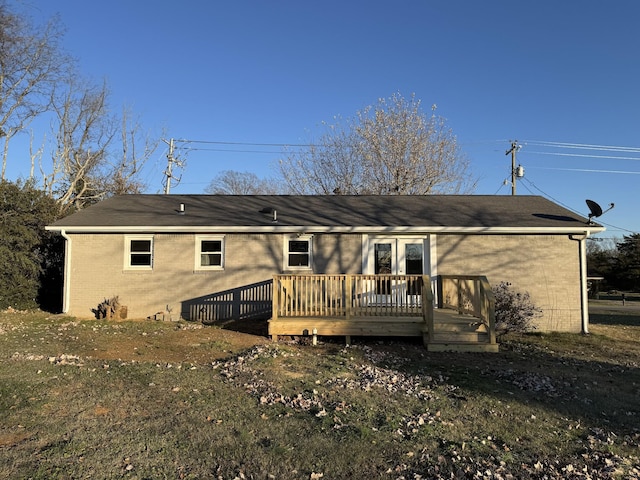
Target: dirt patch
(13,439)
(194,344)
(100,411)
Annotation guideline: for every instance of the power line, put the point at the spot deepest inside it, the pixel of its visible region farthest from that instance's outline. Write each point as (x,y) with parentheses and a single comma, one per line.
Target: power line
(250,144)
(581,150)
(528,189)
(272,152)
(589,170)
(616,227)
(188,148)
(542,143)
(583,146)
(572,209)
(549,196)
(502,185)
(584,155)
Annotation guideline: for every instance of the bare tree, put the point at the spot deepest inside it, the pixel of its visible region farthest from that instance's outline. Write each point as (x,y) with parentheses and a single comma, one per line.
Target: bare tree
(137,147)
(31,63)
(87,165)
(391,148)
(333,165)
(229,182)
(36,78)
(83,131)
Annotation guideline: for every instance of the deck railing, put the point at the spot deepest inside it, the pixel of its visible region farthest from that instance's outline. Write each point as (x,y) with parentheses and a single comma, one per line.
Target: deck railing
(350,296)
(392,305)
(470,294)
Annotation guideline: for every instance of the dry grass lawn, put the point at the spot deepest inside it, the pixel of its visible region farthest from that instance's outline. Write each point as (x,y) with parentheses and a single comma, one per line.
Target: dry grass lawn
(90,399)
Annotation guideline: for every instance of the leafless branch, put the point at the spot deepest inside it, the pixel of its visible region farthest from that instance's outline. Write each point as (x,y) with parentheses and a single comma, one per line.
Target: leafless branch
(31,63)
(391,148)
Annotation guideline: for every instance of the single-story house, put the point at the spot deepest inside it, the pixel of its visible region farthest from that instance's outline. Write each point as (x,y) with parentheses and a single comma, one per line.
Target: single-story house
(211,257)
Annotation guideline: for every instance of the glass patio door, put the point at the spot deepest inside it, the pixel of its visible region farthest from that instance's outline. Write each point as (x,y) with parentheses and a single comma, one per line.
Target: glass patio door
(398,256)
(411,262)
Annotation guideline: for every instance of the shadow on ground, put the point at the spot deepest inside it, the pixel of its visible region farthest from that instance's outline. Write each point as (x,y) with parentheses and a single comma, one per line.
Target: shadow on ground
(251,326)
(614,319)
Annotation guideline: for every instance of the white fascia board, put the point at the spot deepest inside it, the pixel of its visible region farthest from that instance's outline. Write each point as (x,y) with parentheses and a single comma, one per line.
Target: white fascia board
(586,230)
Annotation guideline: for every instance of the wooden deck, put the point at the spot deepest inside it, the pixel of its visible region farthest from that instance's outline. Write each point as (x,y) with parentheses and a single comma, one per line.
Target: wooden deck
(383,305)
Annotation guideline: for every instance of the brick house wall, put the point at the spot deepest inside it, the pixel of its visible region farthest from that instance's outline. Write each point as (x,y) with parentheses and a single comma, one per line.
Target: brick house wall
(98,270)
(546,266)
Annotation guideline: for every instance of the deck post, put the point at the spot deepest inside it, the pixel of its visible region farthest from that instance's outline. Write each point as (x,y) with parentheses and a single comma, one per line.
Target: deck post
(488,307)
(276,298)
(275,301)
(348,291)
(427,310)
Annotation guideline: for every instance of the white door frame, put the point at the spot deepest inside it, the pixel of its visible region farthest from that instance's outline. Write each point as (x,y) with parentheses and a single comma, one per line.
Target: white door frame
(429,266)
(429,254)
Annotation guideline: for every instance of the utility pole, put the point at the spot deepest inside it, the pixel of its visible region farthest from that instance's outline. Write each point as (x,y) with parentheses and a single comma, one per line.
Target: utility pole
(170,161)
(167,187)
(519,172)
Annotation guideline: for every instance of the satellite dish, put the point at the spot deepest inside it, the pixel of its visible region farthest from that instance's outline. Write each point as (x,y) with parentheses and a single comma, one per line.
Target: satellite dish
(595,210)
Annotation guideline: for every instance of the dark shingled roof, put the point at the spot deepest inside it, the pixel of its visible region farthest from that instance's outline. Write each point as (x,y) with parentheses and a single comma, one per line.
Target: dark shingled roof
(449,211)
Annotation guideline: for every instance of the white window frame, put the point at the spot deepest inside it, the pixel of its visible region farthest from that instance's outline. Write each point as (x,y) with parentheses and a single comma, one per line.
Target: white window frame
(304,237)
(127,252)
(198,252)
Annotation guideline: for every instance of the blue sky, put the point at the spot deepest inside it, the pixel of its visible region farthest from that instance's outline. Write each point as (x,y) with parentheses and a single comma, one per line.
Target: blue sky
(545,73)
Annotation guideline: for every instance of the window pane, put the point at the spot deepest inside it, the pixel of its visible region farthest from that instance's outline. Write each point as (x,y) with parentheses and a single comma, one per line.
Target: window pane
(141,246)
(382,258)
(211,246)
(298,260)
(210,259)
(413,259)
(299,246)
(141,259)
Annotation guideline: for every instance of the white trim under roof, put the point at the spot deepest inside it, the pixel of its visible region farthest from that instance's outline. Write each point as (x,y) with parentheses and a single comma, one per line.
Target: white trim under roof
(586,230)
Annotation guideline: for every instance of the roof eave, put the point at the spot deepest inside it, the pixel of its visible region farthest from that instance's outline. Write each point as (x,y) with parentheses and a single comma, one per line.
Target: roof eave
(586,229)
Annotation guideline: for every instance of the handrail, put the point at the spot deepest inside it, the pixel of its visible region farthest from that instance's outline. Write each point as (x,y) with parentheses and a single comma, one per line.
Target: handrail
(469,294)
(488,307)
(351,295)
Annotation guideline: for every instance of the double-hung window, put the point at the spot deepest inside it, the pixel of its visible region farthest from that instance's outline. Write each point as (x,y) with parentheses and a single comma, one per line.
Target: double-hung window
(298,252)
(209,252)
(139,252)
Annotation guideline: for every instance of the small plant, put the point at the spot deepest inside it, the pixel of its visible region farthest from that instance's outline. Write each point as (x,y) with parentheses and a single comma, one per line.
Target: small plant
(515,311)
(108,309)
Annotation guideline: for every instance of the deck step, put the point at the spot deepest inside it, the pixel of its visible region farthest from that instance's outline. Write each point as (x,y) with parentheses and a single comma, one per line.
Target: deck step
(459,337)
(466,327)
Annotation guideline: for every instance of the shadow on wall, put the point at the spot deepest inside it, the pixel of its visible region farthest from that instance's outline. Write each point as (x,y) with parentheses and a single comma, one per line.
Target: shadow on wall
(244,309)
